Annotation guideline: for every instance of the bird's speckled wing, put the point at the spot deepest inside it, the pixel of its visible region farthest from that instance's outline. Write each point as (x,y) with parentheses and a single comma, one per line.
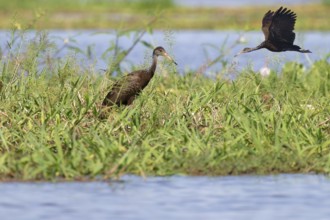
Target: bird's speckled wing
(124,89)
(266,22)
(282,26)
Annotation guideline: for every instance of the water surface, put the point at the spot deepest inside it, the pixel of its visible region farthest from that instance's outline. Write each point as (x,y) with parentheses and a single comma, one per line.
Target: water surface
(191,49)
(302,197)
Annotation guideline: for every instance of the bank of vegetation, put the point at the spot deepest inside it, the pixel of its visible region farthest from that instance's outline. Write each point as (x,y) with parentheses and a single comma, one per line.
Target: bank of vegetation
(189,124)
(103,14)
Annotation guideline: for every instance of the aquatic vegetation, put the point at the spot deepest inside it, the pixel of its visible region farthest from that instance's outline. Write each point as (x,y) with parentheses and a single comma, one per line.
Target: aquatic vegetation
(50,127)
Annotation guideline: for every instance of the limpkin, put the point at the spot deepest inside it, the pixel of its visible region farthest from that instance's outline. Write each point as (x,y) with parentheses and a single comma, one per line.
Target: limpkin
(125,90)
(278,29)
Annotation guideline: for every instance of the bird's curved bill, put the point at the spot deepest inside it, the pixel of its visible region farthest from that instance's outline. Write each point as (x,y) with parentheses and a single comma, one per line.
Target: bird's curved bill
(238,54)
(170,58)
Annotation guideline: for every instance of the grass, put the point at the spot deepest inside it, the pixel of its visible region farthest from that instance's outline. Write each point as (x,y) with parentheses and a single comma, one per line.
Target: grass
(50,127)
(74,5)
(75,14)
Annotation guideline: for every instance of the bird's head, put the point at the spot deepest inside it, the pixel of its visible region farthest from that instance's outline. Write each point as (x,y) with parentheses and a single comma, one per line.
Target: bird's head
(245,50)
(160,51)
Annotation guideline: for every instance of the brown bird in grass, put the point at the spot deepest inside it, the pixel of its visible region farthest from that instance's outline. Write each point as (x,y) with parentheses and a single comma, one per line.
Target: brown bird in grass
(126,89)
(278,30)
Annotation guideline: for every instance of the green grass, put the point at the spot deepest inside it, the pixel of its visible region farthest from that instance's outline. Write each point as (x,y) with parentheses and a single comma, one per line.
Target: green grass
(103,14)
(50,127)
(326,2)
(75,5)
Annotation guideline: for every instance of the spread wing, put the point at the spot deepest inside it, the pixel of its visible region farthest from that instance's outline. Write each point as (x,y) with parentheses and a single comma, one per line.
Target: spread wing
(124,89)
(266,22)
(282,26)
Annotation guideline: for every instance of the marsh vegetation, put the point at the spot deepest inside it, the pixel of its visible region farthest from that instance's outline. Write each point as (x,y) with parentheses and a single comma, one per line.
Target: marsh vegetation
(50,127)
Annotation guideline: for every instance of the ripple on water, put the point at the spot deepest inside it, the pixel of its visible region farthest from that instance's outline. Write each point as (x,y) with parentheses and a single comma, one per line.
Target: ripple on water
(177,197)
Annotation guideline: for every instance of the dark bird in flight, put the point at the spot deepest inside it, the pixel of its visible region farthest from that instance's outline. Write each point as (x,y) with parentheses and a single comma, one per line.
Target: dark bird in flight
(278,29)
(126,89)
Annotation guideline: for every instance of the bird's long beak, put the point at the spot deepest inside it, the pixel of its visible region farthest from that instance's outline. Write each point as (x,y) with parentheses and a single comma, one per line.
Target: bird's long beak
(238,54)
(170,58)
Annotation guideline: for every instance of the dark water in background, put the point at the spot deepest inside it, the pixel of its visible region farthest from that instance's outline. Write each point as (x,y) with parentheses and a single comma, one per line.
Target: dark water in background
(301,197)
(191,49)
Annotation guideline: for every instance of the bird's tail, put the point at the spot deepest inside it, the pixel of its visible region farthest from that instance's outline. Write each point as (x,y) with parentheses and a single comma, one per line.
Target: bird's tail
(297,48)
(305,51)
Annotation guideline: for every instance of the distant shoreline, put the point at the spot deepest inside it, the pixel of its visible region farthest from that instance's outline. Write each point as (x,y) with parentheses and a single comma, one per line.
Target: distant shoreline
(310,17)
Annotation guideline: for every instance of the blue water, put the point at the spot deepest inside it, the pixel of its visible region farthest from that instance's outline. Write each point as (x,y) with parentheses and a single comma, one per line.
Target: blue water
(301,197)
(191,49)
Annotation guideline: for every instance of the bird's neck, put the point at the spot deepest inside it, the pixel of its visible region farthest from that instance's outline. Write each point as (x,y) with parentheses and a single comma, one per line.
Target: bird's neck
(260,46)
(265,44)
(152,69)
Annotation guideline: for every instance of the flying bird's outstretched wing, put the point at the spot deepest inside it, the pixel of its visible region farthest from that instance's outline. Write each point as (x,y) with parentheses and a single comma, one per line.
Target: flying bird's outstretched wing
(282,26)
(266,22)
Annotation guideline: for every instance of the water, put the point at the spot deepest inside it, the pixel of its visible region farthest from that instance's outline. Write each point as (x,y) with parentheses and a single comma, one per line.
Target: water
(302,197)
(191,49)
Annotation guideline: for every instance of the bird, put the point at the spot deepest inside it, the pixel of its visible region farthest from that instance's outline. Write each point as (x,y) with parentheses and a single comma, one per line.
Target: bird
(125,90)
(278,29)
